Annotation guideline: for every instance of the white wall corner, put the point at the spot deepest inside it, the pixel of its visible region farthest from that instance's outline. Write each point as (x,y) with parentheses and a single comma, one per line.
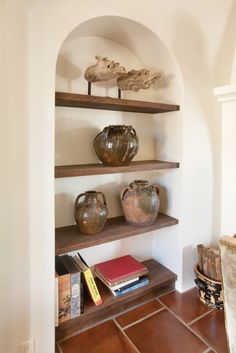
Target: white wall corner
(226,93)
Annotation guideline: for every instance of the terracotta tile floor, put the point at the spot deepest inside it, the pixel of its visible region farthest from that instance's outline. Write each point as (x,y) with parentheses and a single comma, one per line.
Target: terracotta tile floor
(172,323)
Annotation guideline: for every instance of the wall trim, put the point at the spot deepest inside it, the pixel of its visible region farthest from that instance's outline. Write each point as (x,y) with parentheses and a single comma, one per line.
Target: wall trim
(226,93)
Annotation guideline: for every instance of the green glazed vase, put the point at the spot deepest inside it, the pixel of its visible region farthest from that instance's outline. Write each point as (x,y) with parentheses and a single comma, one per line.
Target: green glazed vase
(116,145)
(91,212)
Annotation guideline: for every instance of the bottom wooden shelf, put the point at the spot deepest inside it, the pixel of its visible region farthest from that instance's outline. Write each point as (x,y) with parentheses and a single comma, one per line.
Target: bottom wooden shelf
(161,281)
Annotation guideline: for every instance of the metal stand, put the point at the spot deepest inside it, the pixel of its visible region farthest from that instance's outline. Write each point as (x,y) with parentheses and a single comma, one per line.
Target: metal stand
(119,93)
(89,88)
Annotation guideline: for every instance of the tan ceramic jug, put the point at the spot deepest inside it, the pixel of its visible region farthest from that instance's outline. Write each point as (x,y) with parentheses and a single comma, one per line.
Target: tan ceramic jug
(140,203)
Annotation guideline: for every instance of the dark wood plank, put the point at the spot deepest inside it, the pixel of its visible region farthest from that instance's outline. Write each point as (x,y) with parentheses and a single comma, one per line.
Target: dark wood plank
(75,100)
(161,281)
(97,168)
(70,239)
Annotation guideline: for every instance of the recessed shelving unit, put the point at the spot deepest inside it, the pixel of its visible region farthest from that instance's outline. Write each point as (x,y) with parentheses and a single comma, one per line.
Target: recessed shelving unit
(64,99)
(161,280)
(97,168)
(70,239)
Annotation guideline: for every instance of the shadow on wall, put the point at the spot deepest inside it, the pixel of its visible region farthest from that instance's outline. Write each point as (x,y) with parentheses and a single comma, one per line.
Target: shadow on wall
(67,70)
(201,109)
(190,260)
(75,146)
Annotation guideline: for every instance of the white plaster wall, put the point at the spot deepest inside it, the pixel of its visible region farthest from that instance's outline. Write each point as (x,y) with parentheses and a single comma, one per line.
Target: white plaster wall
(228,189)
(233,75)
(36,29)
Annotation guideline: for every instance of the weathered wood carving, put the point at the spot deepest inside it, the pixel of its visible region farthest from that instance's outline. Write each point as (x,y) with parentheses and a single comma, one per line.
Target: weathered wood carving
(103,70)
(136,79)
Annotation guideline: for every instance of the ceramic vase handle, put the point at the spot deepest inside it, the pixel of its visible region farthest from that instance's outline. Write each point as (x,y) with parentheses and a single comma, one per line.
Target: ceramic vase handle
(156,188)
(77,200)
(124,191)
(130,130)
(106,131)
(103,197)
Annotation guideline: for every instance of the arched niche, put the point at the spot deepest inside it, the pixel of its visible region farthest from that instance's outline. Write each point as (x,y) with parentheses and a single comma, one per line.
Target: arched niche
(135,47)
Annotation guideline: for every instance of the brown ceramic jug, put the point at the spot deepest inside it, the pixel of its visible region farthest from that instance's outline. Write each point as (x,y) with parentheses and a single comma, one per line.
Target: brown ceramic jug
(91,213)
(116,145)
(140,202)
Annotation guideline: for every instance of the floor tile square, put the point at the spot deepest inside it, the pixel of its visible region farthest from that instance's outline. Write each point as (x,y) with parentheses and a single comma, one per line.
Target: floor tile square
(212,328)
(163,333)
(104,338)
(138,313)
(187,306)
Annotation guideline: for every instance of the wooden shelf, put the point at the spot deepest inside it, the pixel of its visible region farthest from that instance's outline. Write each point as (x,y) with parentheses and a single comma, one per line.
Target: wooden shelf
(75,100)
(97,168)
(70,239)
(161,281)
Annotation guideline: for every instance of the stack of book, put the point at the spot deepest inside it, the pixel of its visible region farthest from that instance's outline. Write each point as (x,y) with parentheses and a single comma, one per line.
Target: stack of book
(122,275)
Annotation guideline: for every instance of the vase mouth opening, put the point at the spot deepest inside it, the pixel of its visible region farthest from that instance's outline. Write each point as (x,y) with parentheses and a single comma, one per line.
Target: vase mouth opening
(90,192)
(140,182)
(118,126)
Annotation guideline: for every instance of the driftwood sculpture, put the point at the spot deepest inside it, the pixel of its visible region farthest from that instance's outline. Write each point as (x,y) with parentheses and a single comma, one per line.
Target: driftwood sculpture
(136,79)
(103,70)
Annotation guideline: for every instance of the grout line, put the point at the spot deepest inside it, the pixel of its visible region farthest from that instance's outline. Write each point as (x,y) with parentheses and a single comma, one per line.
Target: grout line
(200,317)
(132,308)
(141,319)
(209,350)
(189,328)
(59,349)
(127,337)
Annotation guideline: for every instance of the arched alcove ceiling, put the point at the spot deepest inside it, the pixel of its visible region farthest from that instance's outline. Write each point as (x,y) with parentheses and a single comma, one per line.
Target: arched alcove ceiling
(145,44)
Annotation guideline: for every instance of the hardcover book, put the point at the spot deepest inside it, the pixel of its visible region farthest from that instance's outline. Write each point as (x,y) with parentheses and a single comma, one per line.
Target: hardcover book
(75,278)
(120,269)
(63,290)
(89,280)
(115,285)
(143,281)
(56,301)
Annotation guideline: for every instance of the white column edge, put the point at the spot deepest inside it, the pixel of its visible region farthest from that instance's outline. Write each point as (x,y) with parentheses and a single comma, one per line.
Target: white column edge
(226,93)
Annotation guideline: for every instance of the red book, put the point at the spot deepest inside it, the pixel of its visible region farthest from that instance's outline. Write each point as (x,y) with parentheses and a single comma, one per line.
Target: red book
(121,268)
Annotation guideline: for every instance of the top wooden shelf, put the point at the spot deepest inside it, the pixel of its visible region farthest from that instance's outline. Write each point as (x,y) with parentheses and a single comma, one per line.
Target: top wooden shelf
(75,100)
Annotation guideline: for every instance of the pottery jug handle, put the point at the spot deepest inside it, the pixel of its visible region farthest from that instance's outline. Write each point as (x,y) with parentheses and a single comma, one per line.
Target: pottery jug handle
(103,197)
(124,191)
(106,131)
(131,130)
(156,188)
(77,200)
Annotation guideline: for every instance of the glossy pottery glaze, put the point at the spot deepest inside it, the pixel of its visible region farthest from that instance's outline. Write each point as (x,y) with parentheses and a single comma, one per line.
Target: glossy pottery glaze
(91,213)
(140,203)
(116,145)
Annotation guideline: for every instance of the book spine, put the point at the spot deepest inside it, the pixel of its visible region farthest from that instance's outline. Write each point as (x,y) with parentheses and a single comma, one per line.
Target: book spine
(81,294)
(64,297)
(56,301)
(130,288)
(75,295)
(92,287)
